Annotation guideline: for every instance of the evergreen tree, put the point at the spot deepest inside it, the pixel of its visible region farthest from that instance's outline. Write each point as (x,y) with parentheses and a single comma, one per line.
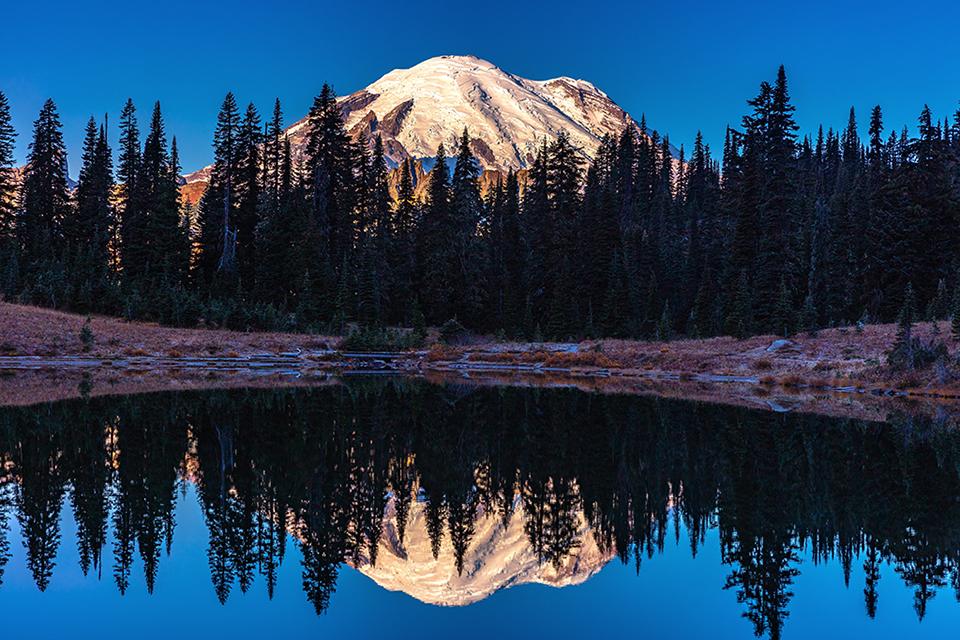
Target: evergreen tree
(403,251)
(808,316)
(159,200)
(8,203)
(248,188)
(955,313)
(217,218)
(328,237)
(776,258)
(435,250)
(133,235)
(280,220)
(92,225)
(466,267)
(784,314)
(45,204)
(902,354)
(563,192)
(378,239)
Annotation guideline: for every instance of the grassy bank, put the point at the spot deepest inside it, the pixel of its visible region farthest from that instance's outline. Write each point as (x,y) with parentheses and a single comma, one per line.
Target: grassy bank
(833,359)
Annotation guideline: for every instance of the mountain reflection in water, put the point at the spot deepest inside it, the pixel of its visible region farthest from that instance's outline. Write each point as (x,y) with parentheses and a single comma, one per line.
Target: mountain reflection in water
(450,493)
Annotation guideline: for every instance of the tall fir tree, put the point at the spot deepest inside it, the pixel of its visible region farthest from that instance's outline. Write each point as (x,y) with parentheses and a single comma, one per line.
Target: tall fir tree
(45,204)
(435,248)
(465,271)
(132,228)
(216,217)
(248,187)
(92,224)
(9,269)
(331,193)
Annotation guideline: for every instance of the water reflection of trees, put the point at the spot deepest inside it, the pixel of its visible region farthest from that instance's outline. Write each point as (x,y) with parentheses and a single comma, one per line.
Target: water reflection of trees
(322,464)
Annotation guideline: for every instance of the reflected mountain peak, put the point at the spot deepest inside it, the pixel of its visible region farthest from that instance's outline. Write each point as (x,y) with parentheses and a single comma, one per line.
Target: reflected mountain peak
(497,557)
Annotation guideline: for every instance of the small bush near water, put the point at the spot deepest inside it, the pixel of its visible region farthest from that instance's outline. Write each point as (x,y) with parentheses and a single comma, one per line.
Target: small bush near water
(452,332)
(86,336)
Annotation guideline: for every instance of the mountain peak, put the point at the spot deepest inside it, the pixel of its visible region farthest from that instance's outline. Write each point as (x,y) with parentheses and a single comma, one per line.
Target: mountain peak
(416,109)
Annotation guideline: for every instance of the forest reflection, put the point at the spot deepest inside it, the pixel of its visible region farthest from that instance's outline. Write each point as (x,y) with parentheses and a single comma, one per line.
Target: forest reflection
(320,468)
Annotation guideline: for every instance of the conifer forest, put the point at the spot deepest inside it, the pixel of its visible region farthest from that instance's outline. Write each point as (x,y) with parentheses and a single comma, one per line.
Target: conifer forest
(779,231)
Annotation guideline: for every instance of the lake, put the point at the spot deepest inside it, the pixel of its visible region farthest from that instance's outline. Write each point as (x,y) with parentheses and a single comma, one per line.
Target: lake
(397,508)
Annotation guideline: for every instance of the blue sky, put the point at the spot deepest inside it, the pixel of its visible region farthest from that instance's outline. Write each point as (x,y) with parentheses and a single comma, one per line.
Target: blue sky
(687,66)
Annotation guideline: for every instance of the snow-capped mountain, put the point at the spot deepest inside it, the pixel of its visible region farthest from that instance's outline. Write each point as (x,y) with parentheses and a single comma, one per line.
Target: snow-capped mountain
(496,558)
(507,116)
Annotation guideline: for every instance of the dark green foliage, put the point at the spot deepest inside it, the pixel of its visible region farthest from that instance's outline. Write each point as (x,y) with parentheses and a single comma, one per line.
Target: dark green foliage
(452,332)
(86,336)
(8,181)
(784,313)
(44,200)
(939,307)
(133,232)
(159,198)
(331,194)
(435,248)
(9,258)
(249,182)
(92,225)
(808,316)
(955,313)
(906,349)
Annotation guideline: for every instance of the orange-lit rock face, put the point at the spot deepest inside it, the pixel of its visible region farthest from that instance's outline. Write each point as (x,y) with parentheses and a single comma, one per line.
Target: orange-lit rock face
(191,192)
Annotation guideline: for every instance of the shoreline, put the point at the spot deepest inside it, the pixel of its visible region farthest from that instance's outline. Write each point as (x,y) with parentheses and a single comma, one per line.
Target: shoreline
(31,380)
(42,356)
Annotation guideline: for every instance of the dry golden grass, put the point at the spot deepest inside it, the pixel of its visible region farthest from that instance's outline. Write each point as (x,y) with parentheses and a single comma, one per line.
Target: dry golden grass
(581,359)
(26,330)
(439,352)
(835,357)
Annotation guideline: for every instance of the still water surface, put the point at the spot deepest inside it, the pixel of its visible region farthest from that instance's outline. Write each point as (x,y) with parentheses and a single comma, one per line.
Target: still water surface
(402,509)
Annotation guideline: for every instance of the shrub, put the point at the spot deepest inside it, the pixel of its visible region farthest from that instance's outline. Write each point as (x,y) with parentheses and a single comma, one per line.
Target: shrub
(791,380)
(914,353)
(452,332)
(86,336)
(762,364)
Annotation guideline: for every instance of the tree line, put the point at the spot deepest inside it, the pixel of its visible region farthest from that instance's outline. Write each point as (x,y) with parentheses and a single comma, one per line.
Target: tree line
(317,470)
(778,234)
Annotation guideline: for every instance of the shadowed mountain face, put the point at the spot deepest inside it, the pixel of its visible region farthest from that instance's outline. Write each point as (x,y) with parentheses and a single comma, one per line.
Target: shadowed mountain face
(452,493)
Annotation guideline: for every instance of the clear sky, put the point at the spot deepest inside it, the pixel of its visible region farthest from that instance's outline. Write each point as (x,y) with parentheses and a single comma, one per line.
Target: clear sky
(687,65)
